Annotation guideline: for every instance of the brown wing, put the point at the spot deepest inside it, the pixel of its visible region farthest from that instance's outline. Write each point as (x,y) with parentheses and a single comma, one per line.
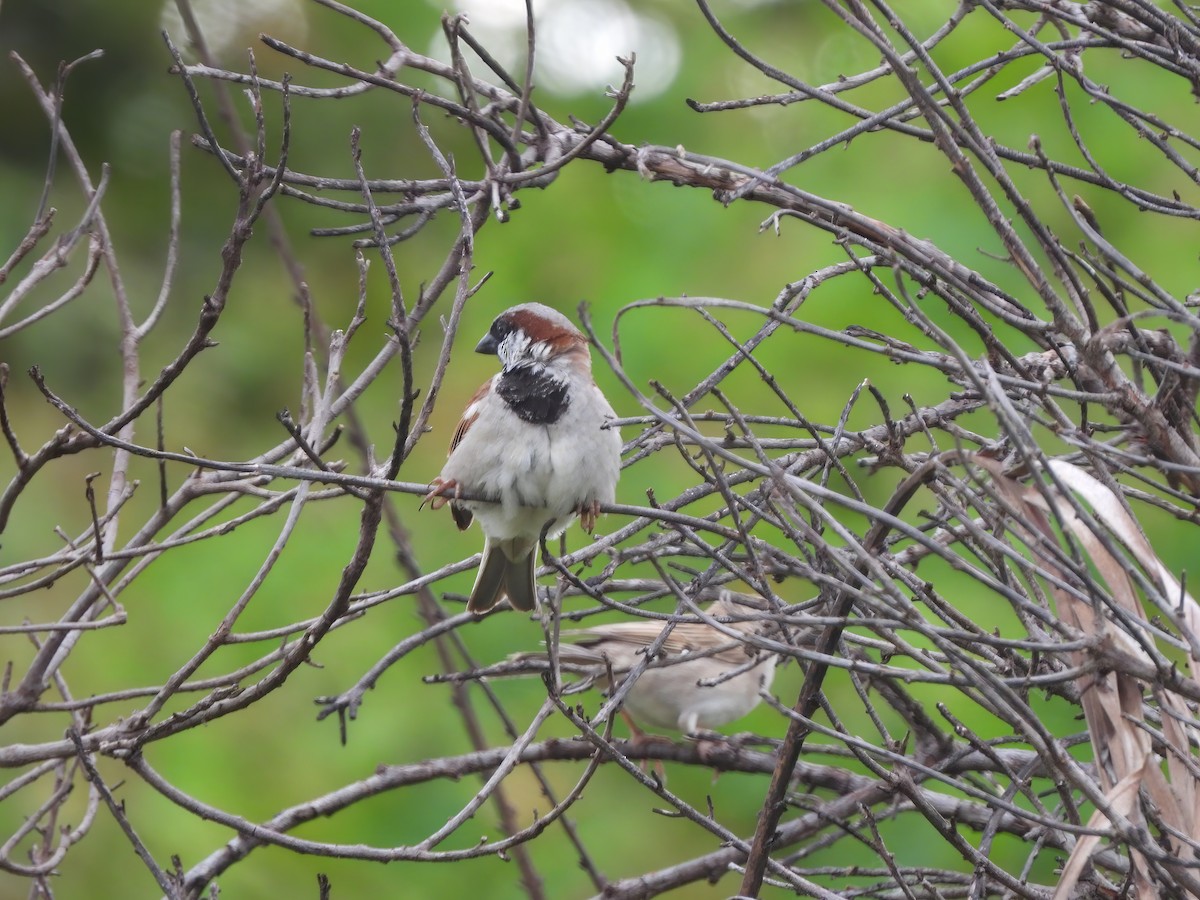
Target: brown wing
(470,414)
(462,516)
(684,637)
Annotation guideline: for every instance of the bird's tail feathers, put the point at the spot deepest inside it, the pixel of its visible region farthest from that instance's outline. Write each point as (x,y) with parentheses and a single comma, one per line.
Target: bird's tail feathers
(519,583)
(506,571)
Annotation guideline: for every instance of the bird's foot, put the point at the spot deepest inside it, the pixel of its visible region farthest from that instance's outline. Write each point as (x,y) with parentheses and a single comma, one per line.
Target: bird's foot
(438,489)
(642,740)
(708,742)
(588,513)
(714,748)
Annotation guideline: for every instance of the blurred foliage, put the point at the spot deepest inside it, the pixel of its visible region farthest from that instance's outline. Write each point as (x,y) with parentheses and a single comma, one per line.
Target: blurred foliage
(602,238)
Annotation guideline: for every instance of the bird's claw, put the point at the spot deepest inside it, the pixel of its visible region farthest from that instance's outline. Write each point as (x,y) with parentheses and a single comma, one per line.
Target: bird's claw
(641,741)
(588,513)
(438,488)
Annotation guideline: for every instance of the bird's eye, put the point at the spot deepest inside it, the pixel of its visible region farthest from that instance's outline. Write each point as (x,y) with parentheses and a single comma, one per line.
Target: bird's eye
(501,329)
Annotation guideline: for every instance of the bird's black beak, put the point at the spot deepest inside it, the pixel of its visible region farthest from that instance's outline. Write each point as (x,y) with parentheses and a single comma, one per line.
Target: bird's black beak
(487,345)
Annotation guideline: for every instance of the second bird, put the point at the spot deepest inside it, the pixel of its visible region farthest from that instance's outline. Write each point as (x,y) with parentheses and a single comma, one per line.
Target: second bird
(538,440)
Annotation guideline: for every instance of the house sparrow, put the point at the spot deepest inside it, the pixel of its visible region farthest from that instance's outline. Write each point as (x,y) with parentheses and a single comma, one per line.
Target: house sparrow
(669,694)
(534,440)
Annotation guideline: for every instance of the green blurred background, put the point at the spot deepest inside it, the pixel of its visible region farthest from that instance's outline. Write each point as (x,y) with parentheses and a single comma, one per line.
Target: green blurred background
(602,238)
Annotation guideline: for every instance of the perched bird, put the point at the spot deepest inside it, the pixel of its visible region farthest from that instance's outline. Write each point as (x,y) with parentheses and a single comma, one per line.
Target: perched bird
(671,694)
(537,440)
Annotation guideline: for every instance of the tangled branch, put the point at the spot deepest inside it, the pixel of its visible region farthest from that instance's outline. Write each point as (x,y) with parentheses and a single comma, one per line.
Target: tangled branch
(958,582)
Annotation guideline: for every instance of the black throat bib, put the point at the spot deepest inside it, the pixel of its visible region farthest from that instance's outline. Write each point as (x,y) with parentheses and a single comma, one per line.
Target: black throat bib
(536,397)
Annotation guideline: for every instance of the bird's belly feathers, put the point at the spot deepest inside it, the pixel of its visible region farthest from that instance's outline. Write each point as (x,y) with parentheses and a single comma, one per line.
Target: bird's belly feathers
(536,472)
(665,698)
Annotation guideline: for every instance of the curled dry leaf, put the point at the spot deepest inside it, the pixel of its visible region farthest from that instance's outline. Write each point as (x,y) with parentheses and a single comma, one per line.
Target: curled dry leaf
(1112,699)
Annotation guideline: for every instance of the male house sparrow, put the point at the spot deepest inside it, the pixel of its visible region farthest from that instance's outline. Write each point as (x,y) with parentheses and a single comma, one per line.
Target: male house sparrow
(533,440)
(670,694)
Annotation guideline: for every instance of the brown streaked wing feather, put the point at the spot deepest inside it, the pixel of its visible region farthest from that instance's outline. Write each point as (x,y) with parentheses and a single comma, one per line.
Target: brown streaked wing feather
(469,416)
(683,637)
(675,644)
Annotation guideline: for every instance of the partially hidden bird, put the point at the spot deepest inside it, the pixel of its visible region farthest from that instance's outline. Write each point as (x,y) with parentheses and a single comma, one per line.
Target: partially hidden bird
(703,678)
(536,447)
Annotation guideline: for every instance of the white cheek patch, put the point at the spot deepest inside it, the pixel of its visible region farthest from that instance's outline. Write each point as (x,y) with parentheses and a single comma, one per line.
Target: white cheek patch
(513,348)
(518,348)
